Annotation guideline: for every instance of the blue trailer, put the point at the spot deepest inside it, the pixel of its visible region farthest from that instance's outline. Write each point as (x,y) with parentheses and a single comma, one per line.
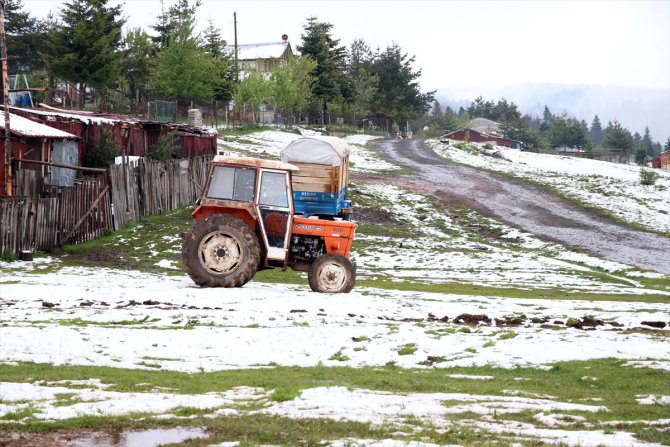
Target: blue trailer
(320,188)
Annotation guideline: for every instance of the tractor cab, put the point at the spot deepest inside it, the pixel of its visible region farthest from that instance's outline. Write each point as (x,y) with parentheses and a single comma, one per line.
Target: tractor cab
(258,192)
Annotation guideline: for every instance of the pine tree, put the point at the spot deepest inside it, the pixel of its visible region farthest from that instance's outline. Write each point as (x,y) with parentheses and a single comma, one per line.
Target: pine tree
(330,57)
(363,83)
(618,137)
(596,132)
(436,113)
(398,95)
(83,49)
(547,119)
(26,37)
(666,146)
(183,69)
(135,66)
(213,44)
(178,18)
(647,144)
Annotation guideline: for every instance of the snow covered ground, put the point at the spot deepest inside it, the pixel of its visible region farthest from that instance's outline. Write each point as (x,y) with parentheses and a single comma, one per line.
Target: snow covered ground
(79,315)
(96,311)
(444,253)
(612,187)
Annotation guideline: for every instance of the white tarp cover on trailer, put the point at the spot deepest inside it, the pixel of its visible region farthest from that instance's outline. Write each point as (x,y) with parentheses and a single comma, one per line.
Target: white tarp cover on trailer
(330,151)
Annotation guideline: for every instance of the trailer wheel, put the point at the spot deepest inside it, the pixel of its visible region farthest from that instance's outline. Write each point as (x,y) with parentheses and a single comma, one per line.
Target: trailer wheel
(220,251)
(331,273)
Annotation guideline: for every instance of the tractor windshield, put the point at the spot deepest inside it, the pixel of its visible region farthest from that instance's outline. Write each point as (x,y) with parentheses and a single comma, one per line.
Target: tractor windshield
(231,183)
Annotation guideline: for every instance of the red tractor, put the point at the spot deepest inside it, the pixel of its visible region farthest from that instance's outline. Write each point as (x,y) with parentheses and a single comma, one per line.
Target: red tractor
(245,222)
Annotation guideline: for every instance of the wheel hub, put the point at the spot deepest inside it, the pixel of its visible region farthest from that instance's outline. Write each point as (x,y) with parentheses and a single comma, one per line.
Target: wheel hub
(332,276)
(220,253)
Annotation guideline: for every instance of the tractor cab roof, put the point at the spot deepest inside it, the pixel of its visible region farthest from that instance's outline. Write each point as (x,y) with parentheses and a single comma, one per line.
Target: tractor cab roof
(254,163)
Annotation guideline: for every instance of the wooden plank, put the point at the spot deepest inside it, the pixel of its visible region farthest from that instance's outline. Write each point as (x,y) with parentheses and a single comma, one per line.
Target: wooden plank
(314,180)
(85,216)
(311,187)
(324,171)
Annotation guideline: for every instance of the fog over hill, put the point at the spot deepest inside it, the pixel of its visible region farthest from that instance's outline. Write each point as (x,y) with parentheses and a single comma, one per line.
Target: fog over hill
(634,107)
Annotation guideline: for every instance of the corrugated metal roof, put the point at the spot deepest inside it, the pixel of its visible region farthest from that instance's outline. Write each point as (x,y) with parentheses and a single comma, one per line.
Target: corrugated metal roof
(26,128)
(84,116)
(484,125)
(87,117)
(272,50)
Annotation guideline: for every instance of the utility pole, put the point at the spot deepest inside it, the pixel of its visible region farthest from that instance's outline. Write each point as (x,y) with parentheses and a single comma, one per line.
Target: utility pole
(237,67)
(5,94)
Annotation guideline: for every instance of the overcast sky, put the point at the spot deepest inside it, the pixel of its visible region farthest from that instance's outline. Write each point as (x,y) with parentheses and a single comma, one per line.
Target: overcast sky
(465,43)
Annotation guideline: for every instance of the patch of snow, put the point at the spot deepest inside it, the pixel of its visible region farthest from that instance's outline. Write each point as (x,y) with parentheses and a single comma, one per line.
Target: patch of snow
(350,442)
(654,364)
(167,264)
(89,402)
(379,407)
(471,377)
(653,400)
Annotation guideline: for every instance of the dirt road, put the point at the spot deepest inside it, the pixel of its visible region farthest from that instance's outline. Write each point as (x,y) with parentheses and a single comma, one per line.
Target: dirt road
(527,207)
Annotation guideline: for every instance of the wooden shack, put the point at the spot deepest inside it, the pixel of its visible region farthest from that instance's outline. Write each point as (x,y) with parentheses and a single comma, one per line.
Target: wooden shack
(41,148)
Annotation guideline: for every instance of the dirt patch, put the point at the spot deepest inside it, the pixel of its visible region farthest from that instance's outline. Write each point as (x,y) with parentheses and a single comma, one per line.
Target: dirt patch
(472,319)
(368,216)
(99,258)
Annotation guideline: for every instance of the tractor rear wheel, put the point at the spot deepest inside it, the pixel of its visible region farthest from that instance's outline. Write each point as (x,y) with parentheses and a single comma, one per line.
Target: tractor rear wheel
(331,273)
(220,251)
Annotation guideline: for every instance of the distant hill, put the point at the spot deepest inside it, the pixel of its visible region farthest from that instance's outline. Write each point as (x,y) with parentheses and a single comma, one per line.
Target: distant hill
(634,107)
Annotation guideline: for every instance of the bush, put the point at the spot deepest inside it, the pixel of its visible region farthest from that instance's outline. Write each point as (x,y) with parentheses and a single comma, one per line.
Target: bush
(8,256)
(101,153)
(648,177)
(162,150)
(467,147)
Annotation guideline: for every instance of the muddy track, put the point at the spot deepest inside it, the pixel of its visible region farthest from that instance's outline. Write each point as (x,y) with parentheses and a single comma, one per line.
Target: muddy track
(530,208)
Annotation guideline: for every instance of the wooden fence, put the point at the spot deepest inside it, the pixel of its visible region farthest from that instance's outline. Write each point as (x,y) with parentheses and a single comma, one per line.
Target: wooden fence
(16,225)
(58,216)
(63,216)
(151,187)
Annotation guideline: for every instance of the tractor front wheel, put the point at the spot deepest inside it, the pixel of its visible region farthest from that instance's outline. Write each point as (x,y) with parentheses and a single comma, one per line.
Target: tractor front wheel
(331,273)
(220,251)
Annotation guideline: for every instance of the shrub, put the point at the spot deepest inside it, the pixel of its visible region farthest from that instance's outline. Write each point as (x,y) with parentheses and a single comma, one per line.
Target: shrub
(8,256)
(648,177)
(101,153)
(162,150)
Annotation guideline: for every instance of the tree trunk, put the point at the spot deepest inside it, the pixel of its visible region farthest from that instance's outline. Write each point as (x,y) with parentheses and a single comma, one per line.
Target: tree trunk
(82,95)
(51,84)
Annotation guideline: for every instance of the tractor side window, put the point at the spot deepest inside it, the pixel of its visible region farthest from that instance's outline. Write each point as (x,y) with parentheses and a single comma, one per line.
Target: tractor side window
(221,185)
(245,184)
(274,190)
(232,184)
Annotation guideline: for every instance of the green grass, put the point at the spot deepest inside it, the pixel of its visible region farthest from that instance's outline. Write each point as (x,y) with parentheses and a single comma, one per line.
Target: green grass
(617,388)
(408,349)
